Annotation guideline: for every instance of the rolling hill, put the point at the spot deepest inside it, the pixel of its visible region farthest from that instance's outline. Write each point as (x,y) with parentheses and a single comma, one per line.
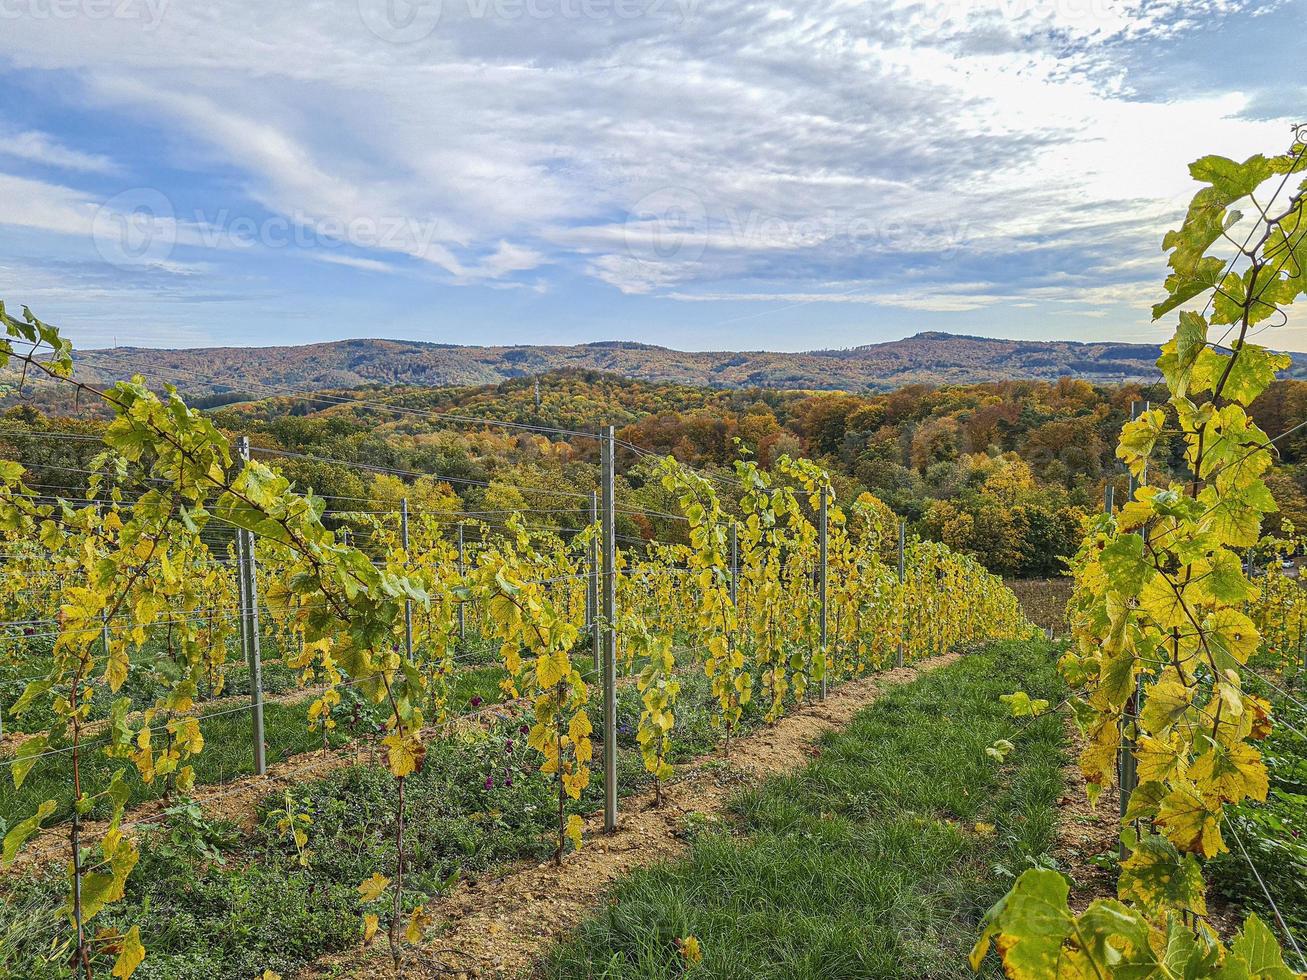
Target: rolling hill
(928,358)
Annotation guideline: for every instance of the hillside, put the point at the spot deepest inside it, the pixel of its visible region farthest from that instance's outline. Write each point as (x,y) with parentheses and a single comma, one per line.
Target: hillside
(928,358)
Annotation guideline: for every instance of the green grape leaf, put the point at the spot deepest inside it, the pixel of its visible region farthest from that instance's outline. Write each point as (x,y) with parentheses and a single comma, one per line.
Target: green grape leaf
(20,832)
(25,758)
(1255,955)
(1030,924)
(1252,372)
(1123,561)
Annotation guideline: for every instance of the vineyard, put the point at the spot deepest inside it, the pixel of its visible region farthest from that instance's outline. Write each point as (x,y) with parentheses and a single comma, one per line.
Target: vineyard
(250,727)
(145,621)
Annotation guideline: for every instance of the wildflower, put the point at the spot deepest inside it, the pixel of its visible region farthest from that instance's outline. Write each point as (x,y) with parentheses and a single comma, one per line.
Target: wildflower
(490,782)
(476,701)
(525,730)
(509,746)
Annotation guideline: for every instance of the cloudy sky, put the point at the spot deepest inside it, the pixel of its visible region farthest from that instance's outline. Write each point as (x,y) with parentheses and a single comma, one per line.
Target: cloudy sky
(707,174)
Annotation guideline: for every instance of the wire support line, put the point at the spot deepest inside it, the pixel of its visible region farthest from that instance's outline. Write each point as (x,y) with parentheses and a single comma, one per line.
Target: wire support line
(1279,918)
(201,717)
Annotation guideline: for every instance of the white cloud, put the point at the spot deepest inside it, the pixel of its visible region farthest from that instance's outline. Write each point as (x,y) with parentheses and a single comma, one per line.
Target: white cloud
(352,262)
(41,148)
(791,143)
(37,204)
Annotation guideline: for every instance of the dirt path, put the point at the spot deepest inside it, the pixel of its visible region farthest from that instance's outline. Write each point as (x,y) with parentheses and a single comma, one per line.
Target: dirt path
(498,926)
(1084,831)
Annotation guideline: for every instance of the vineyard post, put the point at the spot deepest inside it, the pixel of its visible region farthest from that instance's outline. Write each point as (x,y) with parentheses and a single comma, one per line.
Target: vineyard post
(592,586)
(462,570)
(609,509)
(903,537)
(823,570)
(408,603)
(249,591)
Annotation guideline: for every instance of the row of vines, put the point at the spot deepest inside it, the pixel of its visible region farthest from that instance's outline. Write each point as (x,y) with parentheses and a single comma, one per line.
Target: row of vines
(125,584)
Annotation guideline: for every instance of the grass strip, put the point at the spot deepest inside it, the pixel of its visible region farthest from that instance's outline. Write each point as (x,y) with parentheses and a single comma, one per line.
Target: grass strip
(876,860)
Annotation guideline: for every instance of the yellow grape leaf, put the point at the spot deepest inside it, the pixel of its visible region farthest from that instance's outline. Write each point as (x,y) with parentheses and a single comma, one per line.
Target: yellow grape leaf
(1158,760)
(372,888)
(1022,705)
(404,754)
(1159,878)
(1164,601)
(690,950)
(132,955)
(1231,637)
(370,924)
(1030,923)
(1190,824)
(573,830)
(415,922)
(575,783)
(547,671)
(579,727)
(1235,772)
(984,829)
(186,732)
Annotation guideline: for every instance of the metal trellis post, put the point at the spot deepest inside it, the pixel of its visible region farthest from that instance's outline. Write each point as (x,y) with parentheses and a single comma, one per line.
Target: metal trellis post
(592,586)
(609,513)
(824,573)
(462,571)
(249,592)
(903,540)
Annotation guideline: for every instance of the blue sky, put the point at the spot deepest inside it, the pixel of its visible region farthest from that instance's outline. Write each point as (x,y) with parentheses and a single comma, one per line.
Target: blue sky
(705,174)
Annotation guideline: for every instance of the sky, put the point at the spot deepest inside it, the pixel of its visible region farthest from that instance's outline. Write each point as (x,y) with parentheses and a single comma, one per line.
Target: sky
(703,174)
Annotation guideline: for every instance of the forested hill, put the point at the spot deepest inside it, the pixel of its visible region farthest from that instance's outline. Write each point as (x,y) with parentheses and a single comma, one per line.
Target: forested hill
(927,358)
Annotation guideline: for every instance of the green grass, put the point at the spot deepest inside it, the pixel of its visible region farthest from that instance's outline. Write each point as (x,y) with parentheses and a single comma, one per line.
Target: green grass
(864,864)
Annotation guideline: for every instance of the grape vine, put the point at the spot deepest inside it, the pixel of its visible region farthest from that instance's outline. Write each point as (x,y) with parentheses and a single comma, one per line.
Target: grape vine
(1160,624)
